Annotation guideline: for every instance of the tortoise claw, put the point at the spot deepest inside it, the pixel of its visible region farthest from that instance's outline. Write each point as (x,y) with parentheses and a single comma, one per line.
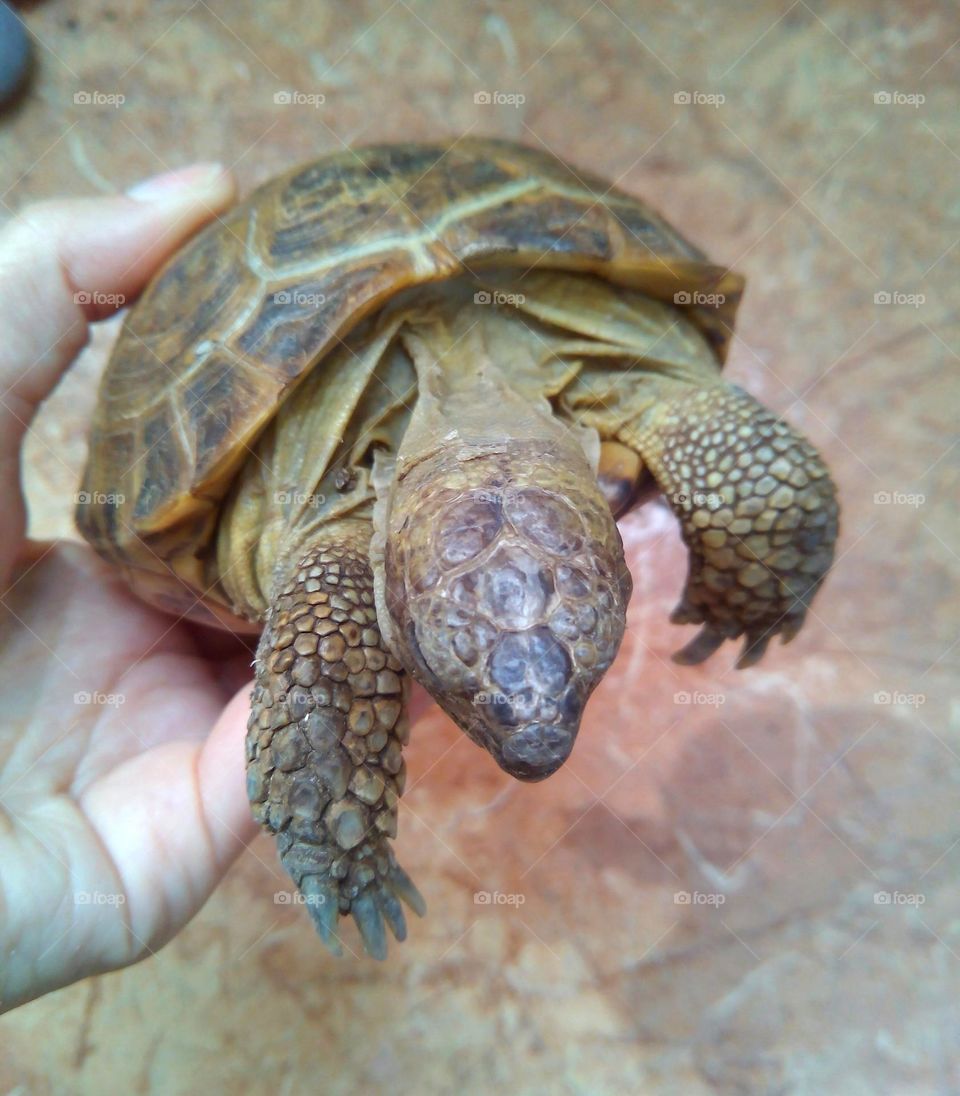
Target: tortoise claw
(754,648)
(378,904)
(710,638)
(393,913)
(370,923)
(790,627)
(700,648)
(323,904)
(403,886)
(685,613)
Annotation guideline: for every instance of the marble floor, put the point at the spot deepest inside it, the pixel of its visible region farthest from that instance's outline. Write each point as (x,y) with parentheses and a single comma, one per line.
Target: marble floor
(815,147)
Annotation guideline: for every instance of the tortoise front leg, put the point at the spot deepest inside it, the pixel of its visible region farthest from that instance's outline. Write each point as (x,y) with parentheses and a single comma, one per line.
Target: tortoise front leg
(758,511)
(327,724)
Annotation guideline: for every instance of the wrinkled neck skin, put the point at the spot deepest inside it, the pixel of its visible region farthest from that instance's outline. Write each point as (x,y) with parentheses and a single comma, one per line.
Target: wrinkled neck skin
(503,587)
(466,406)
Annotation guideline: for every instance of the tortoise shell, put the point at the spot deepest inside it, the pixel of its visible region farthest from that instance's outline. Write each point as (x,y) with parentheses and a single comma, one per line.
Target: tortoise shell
(261,296)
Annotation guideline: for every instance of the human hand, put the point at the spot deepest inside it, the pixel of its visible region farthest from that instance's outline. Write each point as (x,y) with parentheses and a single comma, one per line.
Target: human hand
(117,818)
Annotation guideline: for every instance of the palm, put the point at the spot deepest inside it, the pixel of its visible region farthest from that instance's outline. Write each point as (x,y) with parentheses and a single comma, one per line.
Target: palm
(111,780)
(115,821)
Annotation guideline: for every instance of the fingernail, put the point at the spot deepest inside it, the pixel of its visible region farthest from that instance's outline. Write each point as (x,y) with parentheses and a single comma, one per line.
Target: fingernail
(194,177)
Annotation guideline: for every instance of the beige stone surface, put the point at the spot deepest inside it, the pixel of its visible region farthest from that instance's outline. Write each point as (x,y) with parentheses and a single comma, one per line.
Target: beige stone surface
(808,788)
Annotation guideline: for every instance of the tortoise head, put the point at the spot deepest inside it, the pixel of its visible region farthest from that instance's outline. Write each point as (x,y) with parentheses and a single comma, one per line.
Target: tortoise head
(504,587)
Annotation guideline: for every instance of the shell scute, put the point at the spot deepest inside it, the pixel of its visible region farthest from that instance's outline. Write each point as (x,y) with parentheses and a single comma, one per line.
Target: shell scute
(263,295)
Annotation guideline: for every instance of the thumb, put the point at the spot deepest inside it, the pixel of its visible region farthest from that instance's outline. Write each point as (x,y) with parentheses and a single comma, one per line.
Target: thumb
(65,263)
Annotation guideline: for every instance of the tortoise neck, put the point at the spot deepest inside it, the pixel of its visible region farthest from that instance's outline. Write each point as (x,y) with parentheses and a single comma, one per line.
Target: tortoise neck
(472,388)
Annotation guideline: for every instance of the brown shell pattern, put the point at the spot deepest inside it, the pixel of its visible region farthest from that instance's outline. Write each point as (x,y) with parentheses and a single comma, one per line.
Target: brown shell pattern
(258,298)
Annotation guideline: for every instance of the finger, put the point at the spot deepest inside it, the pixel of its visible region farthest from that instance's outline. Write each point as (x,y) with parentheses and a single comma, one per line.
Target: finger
(221,773)
(65,263)
(420,702)
(172,819)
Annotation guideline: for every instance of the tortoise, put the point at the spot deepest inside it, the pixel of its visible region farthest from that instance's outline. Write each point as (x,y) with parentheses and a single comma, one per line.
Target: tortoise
(386,412)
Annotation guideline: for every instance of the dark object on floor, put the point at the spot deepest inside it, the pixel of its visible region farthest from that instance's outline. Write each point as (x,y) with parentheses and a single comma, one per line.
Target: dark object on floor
(14,53)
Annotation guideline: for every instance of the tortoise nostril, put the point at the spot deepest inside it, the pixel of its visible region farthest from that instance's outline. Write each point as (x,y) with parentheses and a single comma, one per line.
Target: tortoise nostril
(537,750)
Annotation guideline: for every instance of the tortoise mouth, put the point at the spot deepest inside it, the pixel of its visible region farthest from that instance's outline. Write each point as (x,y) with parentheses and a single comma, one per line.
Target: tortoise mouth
(535,751)
(528,749)
(530,733)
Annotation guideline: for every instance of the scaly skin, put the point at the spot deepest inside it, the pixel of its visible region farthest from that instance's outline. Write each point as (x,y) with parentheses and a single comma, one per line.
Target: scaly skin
(758,511)
(327,725)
